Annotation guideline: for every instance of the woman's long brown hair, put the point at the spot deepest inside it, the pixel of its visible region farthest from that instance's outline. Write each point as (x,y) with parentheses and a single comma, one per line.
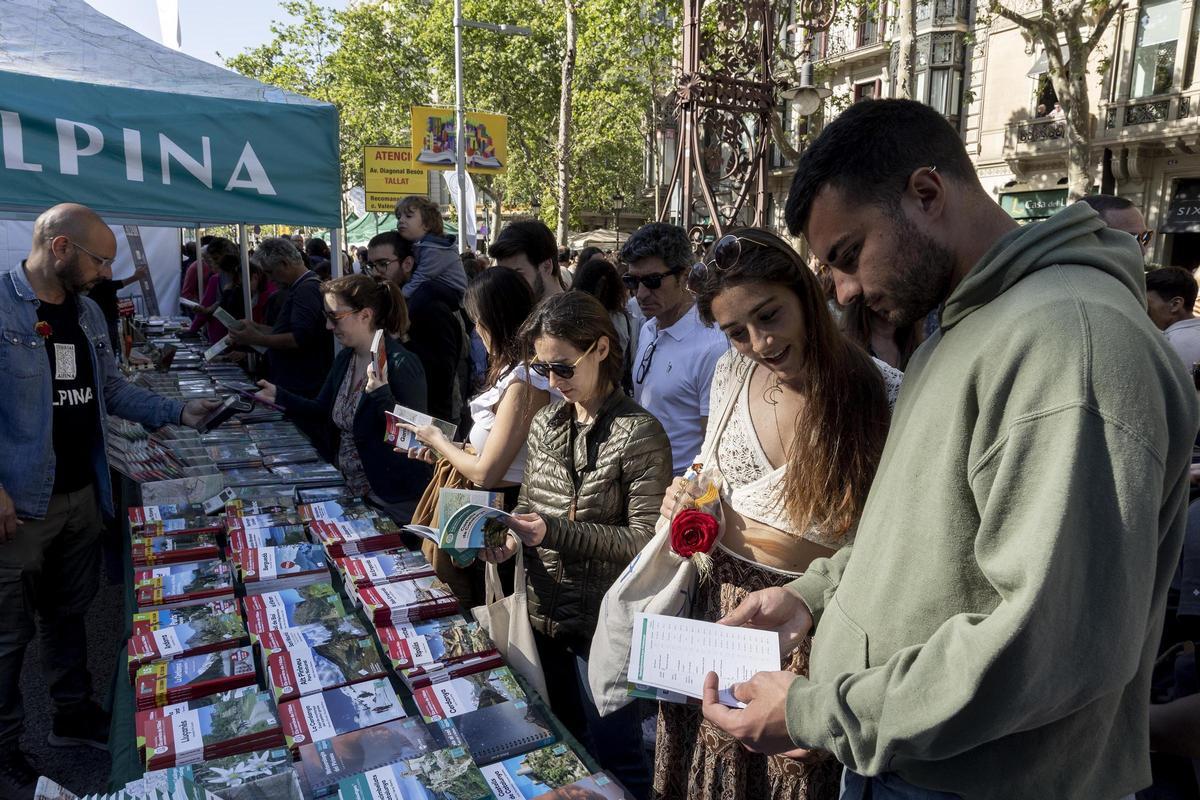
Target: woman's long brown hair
(842,427)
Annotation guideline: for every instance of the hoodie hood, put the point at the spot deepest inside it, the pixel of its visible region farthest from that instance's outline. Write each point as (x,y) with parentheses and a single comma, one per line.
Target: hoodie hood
(1075,235)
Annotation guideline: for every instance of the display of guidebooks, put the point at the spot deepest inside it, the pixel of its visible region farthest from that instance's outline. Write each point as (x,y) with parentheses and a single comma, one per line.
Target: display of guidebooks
(438,649)
(308,670)
(420,598)
(182,584)
(494,733)
(291,565)
(354,536)
(147,550)
(458,696)
(204,634)
(245,522)
(141,516)
(310,634)
(387,566)
(336,711)
(142,717)
(468,530)
(160,683)
(258,775)
(233,726)
(446,774)
(176,526)
(289,608)
(600,786)
(335,510)
(149,621)
(323,764)
(534,773)
(405,440)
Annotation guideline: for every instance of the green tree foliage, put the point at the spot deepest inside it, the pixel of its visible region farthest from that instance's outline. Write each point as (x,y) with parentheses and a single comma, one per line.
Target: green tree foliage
(376,59)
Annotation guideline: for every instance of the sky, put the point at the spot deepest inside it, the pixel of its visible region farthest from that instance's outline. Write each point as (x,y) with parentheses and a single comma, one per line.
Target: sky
(208,26)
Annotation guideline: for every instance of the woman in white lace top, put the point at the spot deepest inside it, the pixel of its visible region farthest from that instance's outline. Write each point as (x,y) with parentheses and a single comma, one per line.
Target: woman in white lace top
(797,454)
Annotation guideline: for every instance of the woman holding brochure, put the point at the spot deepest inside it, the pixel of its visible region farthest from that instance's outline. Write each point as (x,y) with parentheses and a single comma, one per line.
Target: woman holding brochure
(498,301)
(365,313)
(796,457)
(598,465)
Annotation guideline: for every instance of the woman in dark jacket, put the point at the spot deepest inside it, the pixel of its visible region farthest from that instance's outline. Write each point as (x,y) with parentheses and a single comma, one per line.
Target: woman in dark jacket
(354,398)
(597,469)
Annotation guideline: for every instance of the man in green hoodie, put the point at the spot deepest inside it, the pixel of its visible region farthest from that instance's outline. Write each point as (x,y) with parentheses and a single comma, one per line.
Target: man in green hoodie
(991,631)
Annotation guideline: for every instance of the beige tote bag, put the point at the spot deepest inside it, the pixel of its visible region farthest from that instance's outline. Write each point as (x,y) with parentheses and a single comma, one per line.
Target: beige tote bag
(506,619)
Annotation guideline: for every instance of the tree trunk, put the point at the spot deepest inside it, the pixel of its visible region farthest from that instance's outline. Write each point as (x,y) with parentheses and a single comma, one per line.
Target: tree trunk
(906,19)
(564,126)
(1070,84)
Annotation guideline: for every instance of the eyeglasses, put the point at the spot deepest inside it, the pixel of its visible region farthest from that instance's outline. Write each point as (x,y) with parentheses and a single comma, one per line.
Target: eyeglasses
(104,262)
(644,367)
(1144,237)
(726,254)
(335,317)
(651,281)
(381,264)
(564,371)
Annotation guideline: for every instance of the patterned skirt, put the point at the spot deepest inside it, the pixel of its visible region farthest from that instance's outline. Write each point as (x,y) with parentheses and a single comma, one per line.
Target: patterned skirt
(697,761)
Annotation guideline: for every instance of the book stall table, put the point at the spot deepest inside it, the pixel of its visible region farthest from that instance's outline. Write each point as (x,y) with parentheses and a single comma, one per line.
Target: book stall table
(258,662)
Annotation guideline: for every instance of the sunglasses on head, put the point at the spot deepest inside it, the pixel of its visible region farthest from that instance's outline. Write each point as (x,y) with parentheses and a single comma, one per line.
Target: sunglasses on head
(564,371)
(1144,237)
(650,281)
(726,254)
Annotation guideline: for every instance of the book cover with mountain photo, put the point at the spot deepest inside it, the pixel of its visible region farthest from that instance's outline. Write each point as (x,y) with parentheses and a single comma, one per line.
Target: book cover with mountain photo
(162,682)
(308,670)
(174,549)
(182,584)
(243,539)
(438,649)
(149,621)
(316,717)
(258,775)
(534,773)
(329,761)
(447,774)
(310,634)
(197,635)
(458,696)
(388,566)
(234,725)
(142,717)
(291,565)
(289,608)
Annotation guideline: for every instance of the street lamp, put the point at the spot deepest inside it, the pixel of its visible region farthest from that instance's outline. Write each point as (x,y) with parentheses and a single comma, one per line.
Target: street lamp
(618,203)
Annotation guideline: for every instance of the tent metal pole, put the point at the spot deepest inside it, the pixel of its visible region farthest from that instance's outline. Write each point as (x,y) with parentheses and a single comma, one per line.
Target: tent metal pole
(335,252)
(460,128)
(244,249)
(199,269)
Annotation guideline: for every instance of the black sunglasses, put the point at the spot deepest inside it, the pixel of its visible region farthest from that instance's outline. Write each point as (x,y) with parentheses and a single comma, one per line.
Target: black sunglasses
(651,281)
(726,254)
(564,371)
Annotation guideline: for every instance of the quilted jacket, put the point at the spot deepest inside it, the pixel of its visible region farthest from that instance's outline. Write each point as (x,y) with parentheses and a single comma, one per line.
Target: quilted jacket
(622,467)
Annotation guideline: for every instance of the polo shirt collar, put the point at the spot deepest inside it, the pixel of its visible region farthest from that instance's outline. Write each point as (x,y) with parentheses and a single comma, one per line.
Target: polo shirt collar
(683,327)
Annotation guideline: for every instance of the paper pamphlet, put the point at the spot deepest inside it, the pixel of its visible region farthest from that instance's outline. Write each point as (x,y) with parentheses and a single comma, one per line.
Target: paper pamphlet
(469,527)
(675,654)
(404,440)
(379,355)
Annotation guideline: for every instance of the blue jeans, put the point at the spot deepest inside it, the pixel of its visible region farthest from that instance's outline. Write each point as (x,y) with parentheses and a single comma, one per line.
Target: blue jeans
(888,786)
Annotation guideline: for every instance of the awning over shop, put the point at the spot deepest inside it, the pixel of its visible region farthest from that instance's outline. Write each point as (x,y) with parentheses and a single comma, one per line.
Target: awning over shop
(1183,214)
(1029,206)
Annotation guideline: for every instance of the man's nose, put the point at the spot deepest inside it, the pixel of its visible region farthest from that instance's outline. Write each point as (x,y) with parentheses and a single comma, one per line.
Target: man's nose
(846,287)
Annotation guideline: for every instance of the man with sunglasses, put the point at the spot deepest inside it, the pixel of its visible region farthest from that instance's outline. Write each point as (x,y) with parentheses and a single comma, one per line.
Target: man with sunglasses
(992,630)
(677,354)
(61,384)
(1121,214)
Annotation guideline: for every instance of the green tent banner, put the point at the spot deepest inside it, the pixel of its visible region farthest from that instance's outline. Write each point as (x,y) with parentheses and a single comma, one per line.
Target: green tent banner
(165,157)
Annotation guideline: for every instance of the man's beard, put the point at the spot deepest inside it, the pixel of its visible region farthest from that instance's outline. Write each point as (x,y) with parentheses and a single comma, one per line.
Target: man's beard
(920,279)
(72,278)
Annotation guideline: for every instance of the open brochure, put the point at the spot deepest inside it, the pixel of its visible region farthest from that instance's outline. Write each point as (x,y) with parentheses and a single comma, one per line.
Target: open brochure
(467,527)
(404,440)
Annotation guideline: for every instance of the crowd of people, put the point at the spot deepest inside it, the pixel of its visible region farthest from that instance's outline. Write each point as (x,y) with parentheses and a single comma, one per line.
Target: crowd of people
(954,459)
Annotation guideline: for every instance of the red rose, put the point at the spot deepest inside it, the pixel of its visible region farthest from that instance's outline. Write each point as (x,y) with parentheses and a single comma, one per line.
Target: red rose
(43,329)
(693,532)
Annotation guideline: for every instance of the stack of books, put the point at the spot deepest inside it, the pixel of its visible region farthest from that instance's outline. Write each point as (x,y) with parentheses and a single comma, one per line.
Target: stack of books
(325,763)
(532,774)
(235,456)
(242,539)
(496,732)
(394,603)
(337,510)
(388,566)
(142,717)
(150,621)
(162,683)
(354,536)
(290,608)
(182,584)
(288,566)
(307,670)
(245,776)
(199,632)
(174,549)
(310,474)
(438,650)
(443,773)
(195,522)
(309,635)
(459,696)
(316,717)
(142,516)
(229,726)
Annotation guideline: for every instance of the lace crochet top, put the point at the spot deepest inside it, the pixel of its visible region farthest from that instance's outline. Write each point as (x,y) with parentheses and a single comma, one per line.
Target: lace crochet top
(750,482)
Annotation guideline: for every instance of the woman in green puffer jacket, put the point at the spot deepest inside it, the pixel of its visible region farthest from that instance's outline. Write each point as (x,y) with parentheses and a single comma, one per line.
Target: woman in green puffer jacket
(597,469)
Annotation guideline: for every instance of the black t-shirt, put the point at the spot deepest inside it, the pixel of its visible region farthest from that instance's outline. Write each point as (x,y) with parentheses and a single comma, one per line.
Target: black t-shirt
(104,294)
(73,395)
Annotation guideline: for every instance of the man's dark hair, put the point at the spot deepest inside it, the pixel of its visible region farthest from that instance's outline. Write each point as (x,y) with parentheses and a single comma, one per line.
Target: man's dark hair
(530,237)
(402,247)
(317,247)
(1103,203)
(585,255)
(660,240)
(1171,282)
(869,152)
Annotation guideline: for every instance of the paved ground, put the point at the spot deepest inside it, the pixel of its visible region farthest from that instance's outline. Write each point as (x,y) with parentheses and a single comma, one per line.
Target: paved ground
(80,769)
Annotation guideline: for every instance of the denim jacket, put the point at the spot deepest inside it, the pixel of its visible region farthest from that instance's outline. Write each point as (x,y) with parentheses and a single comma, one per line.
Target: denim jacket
(26,417)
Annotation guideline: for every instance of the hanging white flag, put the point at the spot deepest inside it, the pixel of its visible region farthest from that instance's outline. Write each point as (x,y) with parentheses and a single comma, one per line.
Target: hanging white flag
(466,218)
(168,23)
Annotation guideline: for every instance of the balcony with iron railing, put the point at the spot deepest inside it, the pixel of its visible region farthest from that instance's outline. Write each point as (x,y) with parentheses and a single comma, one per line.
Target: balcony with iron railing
(1146,118)
(1036,138)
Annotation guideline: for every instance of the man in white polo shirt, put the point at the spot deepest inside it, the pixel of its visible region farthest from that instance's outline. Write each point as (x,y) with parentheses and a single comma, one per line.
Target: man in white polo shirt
(676,353)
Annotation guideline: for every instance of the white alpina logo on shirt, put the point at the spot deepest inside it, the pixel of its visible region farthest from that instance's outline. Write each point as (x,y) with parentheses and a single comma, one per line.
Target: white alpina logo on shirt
(64,362)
